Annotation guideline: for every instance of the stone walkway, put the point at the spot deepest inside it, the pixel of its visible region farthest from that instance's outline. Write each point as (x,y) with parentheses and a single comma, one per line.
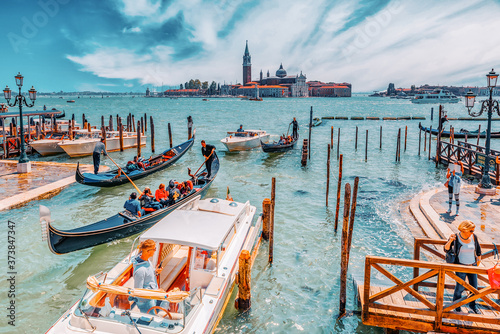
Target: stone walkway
(45,180)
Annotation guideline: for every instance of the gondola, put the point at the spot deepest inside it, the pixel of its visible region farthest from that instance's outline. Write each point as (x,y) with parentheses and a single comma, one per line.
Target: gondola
(119,226)
(459,134)
(156,163)
(275,147)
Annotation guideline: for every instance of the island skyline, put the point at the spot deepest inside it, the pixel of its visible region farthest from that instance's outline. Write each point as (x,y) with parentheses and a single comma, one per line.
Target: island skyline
(126,46)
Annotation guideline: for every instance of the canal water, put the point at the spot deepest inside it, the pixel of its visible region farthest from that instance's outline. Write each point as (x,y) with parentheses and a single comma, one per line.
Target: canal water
(300,291)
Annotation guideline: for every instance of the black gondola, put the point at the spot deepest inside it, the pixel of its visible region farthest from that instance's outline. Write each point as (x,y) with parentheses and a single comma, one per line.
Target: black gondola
(275,147)
(459,134)
(154,164)
(119,226)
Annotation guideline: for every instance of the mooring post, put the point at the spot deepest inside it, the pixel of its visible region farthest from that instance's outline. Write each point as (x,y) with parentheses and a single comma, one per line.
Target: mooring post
(243,300)
(425,141)
(478,134)
(397,144)
(497,174)
(419,137)
(381,137)
(331,138)
(138,138)
(406,135)
(190,126)
(343,263)
(432,114)
(452,135)
(120,133)
(266,218)
(438,147)
(271,232)
(84,122)
(170,134)
(356,140)
(366,147)
(339,186)
(110,123)
(310,128)
(133,123)
(103,133)
(328,174)
(142,125)
(430,142)
(89,127)
(145,123)
(304,153)
(353,214)
(152,134)
(338,145)
(102,121)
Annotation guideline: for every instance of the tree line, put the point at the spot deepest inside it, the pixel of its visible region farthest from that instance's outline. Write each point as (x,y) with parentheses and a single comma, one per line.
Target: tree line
(214,88)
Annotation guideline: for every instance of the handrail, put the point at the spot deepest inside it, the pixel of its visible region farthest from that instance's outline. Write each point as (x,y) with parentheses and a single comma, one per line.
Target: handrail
(436,309)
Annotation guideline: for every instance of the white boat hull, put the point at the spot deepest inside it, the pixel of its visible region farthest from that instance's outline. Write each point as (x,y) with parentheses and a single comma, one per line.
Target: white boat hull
(435,101)
(244,143)
(47,146)
(84,147)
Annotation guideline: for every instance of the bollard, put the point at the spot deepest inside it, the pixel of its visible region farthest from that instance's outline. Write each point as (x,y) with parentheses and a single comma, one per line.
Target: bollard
(432,113)
(328,174)
(356,140)
(243,300)
(339,186)
(152,134)
(271,221)
(266,217)
(406,135)
(120,133)
(138,139)
(170,134)
(366,147)
(343,264)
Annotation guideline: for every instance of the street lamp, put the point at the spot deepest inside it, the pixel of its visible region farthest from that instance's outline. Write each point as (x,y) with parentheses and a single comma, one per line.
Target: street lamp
(23,165)
(490,105)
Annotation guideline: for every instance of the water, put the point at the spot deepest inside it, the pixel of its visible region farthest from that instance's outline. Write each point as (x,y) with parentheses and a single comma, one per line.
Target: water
(299,292)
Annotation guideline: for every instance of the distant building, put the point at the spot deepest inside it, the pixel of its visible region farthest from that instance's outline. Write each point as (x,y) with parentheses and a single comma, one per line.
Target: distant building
(184,92)
(148,92)
(247,66)
(330,89)
(391,90)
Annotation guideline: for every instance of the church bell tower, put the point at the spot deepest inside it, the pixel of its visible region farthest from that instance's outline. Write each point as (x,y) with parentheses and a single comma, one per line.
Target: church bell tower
(247,66)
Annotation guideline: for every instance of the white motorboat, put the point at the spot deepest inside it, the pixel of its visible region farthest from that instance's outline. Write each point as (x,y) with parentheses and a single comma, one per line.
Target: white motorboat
(246,140)
(85,146)
(49,145)
(437,96)
(198,247)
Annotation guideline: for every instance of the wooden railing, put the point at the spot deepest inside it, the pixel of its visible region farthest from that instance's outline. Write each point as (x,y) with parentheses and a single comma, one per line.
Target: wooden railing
(428,315)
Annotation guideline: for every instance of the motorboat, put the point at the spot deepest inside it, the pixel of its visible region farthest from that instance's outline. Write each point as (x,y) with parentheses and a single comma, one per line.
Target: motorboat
(85,146)
(49,145)
(436,96)
(245,140)
(198,246)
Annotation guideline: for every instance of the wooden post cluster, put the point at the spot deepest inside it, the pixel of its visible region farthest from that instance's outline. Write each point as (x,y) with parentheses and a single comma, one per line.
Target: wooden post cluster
(271,229)
(152,134)
(339,186)
(138,139)
(328,174)
(304,152)
(243,278)
(347,227)
(170,134)
(310,129)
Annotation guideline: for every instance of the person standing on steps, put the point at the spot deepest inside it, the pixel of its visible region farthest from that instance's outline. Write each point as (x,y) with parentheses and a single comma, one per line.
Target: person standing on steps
(454,183)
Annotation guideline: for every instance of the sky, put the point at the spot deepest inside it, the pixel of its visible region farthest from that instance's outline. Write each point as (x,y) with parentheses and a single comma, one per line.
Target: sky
(129,45)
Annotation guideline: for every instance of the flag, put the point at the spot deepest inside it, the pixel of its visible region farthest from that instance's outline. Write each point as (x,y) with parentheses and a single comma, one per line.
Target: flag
(228,195)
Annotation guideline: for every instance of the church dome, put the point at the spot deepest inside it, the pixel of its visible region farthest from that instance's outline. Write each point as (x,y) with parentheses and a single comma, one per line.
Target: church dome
(281,72)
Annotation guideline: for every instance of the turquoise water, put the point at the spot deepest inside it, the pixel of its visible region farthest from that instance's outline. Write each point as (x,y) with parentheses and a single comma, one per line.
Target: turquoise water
(299,292)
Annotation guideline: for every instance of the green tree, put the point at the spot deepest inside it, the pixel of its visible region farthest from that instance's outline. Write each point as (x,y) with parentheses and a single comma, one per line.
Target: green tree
(213,88)
(186,85)
(191,84)
(197,84)
(204,85)
(182,87)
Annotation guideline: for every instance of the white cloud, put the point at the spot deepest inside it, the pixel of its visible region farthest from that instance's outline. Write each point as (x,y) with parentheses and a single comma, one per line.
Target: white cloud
(411,43)
(140,7)
(132,30)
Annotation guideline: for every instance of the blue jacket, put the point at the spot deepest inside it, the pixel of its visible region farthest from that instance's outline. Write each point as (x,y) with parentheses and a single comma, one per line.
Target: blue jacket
(144,274)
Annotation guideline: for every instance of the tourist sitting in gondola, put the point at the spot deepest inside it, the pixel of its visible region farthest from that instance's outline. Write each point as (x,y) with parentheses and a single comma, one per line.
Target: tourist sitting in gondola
(173,193)
(133,206)
(135,164)
(161,195)
(185,187)
(148,200)
(281,141)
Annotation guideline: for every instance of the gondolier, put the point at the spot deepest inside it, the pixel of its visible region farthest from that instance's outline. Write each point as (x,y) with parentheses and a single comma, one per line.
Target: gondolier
(295,128)
(99,147)
(208,152)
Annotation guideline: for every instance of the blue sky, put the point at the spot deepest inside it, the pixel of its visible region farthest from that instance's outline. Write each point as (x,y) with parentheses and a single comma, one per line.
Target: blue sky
(128,45)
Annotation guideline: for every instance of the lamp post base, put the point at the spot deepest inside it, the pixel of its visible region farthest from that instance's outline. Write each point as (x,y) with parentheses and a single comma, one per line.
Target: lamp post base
(486,191)
(23,168)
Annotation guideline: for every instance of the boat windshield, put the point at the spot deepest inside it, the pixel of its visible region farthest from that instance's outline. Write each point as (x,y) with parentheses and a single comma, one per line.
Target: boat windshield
(122,309)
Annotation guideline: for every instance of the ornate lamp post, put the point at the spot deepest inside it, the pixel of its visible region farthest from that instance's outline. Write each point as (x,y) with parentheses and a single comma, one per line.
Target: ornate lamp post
(24,165)
(490,105)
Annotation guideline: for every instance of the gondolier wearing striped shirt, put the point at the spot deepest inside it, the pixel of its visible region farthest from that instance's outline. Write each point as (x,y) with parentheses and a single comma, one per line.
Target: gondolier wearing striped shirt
(99,147)
(208,152)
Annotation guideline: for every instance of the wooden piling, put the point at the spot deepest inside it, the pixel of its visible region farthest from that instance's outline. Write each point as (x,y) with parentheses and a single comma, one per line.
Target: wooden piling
(120,133)
(110,122)
(353,214)
(266,218)
(366,147)
(343,264)
(356,140)
(452,135)
(304,153)
(84,122)
(398,146)
(497,173)
(338,145)
(478,134)
(142,125)
(381,137)
(103,134)
(339,187)
(133,123)
(271,232)
(310,129)
(328,174)
(243,278)
(89,128)
(152,134)
(170,134)
(430,141)
(406,135)
(138,138)
(331,138)
(145,123)
(425,141)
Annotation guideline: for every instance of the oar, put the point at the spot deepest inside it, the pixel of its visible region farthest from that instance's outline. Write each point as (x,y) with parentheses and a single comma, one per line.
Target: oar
(140,192)
(288,129)
(204,162)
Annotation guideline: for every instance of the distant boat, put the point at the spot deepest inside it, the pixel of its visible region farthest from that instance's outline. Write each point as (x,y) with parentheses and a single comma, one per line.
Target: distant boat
(459,134)
(71,101)
(255,99)
(276,147)
(437,96)
(205,100)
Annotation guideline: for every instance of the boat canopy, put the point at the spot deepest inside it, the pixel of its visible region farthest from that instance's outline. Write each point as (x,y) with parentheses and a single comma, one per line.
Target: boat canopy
(201,229)
(30,113)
